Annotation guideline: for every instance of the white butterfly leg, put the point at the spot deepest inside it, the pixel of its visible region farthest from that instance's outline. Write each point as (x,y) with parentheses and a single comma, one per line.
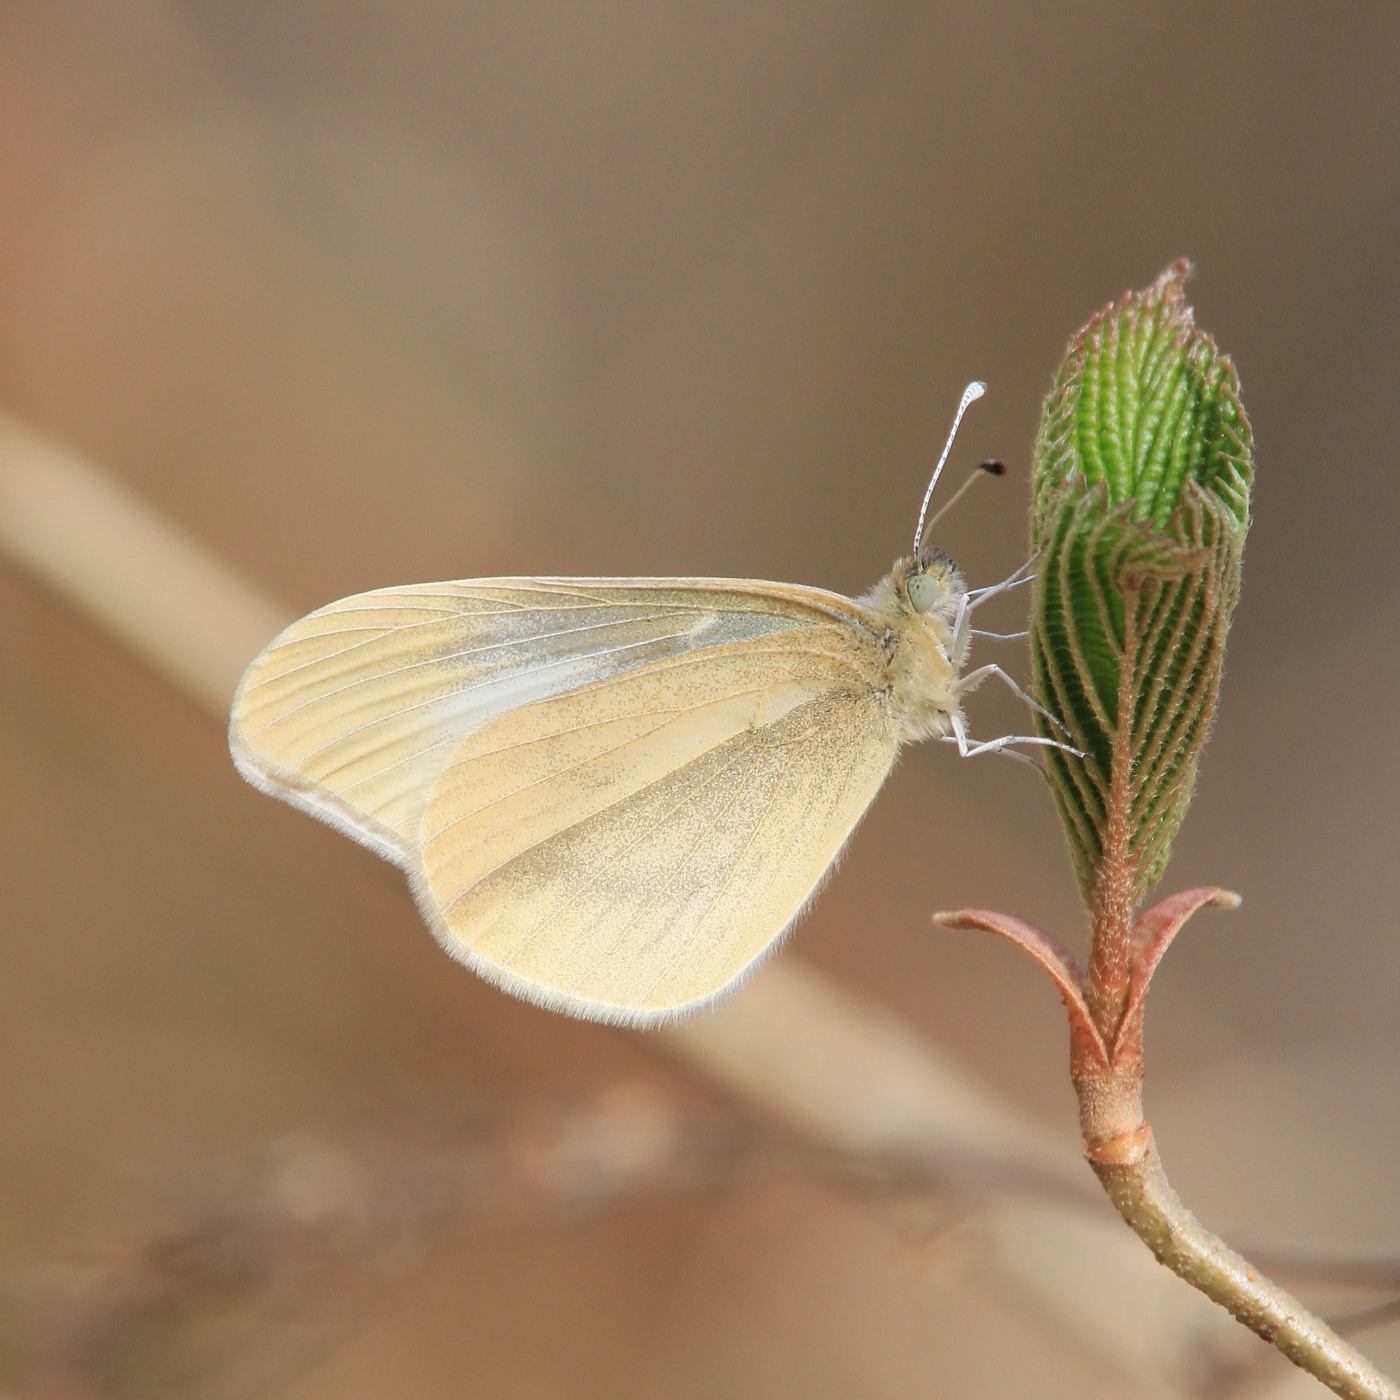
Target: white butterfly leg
(962,631)
(975,678)
(970,748)
(975,597)
(978,596)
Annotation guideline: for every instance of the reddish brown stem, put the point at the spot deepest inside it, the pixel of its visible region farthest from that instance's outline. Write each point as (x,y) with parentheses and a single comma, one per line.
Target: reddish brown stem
(1115,891)
(1106,1064)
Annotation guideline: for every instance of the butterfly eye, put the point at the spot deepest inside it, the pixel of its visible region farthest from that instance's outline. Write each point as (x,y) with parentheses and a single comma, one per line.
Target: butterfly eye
(924,592)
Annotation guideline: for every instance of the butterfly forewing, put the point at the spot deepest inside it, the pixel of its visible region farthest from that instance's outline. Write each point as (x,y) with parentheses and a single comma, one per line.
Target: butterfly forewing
(626,851)
(352,712)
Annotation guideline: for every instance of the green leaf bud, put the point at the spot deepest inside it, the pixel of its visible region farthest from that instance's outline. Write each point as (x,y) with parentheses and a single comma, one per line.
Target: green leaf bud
(1143,468)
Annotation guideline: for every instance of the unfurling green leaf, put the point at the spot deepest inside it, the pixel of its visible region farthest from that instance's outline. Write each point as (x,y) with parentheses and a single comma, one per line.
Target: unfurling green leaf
(1143,467)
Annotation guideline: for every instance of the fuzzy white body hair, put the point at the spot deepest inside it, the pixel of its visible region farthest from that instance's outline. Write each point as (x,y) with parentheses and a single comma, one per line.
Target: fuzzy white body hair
(924,654)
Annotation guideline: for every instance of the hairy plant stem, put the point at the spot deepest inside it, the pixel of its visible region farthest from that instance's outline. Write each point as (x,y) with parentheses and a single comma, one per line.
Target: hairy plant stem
(1106,1066)
(1118,1138)
(1138,1186)
(1114,892)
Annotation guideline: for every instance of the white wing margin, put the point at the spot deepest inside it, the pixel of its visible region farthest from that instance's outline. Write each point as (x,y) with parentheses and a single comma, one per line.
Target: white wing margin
(353,712)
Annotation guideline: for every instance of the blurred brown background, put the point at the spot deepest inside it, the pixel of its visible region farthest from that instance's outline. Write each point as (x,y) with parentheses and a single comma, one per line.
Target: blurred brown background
(373,292)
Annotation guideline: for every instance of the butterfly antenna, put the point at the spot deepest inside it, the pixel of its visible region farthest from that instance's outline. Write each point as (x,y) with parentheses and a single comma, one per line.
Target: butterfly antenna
(986,468)
(971,394)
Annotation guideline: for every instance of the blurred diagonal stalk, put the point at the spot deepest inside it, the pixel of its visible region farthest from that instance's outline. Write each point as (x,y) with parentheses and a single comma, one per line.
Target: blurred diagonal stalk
(793,1045)
(239,1273)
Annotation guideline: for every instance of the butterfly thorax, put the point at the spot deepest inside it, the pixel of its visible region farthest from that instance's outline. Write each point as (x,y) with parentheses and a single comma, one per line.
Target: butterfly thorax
(916,606)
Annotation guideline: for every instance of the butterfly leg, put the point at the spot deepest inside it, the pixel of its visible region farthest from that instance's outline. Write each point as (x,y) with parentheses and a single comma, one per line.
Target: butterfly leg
(971,748)
(963,630)
(978,596)
(975,678)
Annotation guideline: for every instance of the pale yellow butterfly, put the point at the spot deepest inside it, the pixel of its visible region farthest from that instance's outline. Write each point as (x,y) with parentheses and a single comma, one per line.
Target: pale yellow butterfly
(612,796)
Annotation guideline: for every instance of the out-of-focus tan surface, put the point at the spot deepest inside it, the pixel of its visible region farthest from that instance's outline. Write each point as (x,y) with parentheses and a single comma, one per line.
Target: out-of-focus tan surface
(373,293)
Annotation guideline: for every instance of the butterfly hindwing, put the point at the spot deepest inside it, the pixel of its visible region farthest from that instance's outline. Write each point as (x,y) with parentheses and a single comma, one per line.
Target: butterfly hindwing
(628,850)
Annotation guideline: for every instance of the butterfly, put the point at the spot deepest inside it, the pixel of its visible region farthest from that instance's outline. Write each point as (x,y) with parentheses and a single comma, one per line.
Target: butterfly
(613,797)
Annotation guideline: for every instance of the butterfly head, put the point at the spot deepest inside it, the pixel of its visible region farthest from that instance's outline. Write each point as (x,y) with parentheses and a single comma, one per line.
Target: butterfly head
(932,584)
